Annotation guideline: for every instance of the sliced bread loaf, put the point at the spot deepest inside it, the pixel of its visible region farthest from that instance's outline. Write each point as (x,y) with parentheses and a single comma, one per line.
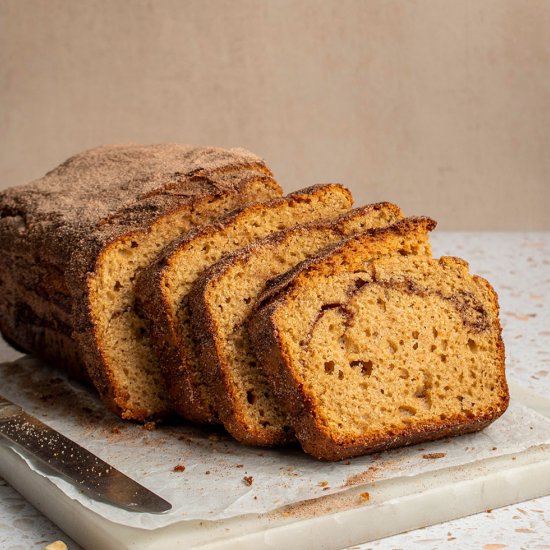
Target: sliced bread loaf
(221,302)
(72,242)
(366,355)
(163,287)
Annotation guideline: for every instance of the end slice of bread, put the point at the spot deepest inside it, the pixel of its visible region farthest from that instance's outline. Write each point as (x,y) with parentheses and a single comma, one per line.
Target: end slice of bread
(163,287)
(369,354)
(73,242)
(221,302)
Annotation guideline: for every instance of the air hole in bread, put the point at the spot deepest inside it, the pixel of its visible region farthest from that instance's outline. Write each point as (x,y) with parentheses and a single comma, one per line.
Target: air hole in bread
(407,410)
(329,367)
(360,283)
(366,366)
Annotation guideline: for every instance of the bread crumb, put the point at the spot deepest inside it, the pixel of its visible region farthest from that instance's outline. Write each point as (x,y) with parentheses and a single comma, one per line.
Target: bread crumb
(115,430)
(364,496)
(179,468)
(150,426)
(57,545)
(239,465)
(434,455)
(323,483)
(248,480)
(207,472)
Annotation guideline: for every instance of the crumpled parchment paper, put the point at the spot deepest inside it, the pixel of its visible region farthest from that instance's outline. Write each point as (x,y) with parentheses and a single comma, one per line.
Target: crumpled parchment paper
(206,475)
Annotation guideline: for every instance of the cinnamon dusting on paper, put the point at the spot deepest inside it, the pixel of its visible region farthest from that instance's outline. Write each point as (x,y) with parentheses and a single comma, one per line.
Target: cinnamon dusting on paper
(432,456)
(248,480)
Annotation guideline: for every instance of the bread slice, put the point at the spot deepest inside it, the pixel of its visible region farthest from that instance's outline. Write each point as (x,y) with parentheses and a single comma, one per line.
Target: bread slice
(72,242)
(164,286)
(221,302)
(369,354)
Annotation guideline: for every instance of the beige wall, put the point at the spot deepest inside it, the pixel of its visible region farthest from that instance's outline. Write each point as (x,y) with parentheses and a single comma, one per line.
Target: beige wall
(440,105)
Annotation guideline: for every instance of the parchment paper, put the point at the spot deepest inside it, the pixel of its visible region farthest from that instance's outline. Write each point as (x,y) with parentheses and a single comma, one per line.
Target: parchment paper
(222,478)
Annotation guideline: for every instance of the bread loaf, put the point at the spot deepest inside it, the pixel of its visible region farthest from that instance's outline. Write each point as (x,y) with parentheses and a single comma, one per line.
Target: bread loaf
(164,286)
(72,243)
(367,352)
(221,301)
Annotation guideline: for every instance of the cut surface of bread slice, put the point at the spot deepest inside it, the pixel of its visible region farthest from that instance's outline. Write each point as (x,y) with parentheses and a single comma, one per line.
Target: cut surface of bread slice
(221,302)
(73,241)
(164,286)
(371,355)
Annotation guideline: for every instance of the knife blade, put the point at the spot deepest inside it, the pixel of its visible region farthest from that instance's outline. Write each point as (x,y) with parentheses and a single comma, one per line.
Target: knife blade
(67,459)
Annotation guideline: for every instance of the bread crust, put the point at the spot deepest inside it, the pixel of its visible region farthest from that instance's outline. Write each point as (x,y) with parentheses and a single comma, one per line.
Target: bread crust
(68,220)
(316,438)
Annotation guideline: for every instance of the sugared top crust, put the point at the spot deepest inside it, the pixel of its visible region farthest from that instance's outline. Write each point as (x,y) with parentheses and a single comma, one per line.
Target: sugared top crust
(112,190)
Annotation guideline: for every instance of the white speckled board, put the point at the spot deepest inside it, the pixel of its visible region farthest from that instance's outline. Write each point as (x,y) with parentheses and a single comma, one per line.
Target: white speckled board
(366,512)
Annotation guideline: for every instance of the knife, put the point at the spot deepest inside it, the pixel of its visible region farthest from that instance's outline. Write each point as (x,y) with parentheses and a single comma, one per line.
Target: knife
(67,459)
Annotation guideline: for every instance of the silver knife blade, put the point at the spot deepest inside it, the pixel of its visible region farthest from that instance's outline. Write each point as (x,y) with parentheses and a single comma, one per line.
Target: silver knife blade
(76,464)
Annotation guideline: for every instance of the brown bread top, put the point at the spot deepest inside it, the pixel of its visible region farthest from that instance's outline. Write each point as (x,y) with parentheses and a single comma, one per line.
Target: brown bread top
(111,190)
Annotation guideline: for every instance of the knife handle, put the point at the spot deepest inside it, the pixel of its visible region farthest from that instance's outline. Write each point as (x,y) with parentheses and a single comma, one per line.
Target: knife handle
(8,409)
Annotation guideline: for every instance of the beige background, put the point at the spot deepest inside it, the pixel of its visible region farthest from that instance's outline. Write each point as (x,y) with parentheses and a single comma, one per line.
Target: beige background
(442,106)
